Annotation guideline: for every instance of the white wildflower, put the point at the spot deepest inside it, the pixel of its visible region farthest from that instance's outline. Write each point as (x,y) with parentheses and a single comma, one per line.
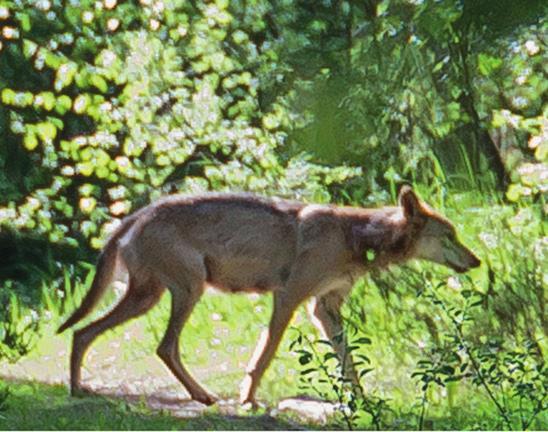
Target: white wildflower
(531,47)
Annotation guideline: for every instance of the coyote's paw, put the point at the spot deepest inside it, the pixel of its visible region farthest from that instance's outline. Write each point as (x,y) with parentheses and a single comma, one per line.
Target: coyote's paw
(78,391)
(247,394)
(205,398)
(251,405)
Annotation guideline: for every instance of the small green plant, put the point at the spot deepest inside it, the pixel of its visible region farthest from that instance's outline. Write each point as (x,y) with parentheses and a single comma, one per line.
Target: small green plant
(512,374)
(18,328)
(65,295)
(4,395)
(323,375)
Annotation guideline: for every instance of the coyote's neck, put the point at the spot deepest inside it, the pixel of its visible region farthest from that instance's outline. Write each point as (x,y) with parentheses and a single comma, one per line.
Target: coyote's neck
(380,237)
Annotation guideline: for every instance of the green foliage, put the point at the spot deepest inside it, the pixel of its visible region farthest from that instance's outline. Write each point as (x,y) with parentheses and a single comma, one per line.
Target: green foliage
(4,394)
(18,326)
(390,86)
(322,375)
(112,105)
(512,93)
(514,378)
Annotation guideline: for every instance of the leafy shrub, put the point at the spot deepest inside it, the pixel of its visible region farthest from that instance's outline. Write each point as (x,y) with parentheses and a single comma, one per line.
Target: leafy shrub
(18,327)
(512,373)
(322,375)
(511,97)
(143,100)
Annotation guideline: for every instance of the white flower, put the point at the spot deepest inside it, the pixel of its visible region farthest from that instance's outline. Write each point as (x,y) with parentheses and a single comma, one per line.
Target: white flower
(182,30)
(520,101)
(158,7)
(87,17)
(453,282)
(10,32)
(112,24)
(7,213)
(87,204)
(44,5)
(521,80)
(532,47)
(109,58)
(117,192)
(33,203)
(534,141)
(119,207)
(122,161)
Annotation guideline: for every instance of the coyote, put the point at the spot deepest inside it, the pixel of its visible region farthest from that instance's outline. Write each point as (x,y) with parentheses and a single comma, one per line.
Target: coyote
(241,242)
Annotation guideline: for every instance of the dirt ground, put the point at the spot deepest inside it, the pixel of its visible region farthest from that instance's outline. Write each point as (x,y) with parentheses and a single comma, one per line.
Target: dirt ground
(143,377)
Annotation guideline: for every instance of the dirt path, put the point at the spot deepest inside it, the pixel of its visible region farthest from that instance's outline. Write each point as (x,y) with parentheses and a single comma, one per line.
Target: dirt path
(137,376)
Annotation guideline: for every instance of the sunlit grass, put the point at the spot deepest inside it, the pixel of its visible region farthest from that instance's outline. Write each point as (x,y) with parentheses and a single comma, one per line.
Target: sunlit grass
(47,407)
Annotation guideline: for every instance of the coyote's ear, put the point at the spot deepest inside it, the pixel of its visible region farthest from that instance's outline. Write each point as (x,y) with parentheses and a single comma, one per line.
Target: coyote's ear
(409,201)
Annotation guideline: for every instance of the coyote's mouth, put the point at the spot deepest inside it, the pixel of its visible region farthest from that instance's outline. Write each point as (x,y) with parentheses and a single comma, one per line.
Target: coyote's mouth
(463,269)
(459,269)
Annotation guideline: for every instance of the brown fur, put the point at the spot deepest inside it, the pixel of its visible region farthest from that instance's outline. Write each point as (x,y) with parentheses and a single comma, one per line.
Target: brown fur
(246,243)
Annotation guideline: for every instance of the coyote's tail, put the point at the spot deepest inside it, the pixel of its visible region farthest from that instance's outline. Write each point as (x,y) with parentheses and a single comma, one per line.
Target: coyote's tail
(103,275)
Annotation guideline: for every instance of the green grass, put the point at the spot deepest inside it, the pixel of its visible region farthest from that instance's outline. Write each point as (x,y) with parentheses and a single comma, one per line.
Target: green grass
(47,407)
(34,406)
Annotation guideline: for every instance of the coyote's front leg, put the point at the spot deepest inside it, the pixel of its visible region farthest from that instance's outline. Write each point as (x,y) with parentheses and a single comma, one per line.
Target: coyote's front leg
(307,277)
(325,312)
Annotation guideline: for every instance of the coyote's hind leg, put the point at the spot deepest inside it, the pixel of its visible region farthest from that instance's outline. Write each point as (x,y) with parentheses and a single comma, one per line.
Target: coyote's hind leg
(140,297)
(182,303)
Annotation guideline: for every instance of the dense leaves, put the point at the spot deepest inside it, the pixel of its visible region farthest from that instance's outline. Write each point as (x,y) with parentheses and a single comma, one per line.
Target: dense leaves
(106,106)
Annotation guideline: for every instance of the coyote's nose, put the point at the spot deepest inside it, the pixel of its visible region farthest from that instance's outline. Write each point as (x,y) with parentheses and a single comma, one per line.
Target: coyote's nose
(475,261)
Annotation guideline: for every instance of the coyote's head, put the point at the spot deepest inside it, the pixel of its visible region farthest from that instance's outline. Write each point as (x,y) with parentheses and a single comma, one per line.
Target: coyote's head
(436,237)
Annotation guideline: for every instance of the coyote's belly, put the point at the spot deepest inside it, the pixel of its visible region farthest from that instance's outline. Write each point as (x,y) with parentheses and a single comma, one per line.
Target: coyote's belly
(246,273)
(249,257)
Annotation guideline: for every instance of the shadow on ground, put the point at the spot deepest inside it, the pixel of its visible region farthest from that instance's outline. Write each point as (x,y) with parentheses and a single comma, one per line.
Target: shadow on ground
(32,405)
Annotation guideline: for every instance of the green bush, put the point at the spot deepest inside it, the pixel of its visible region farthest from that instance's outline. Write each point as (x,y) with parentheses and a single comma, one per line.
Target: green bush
(109,106)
